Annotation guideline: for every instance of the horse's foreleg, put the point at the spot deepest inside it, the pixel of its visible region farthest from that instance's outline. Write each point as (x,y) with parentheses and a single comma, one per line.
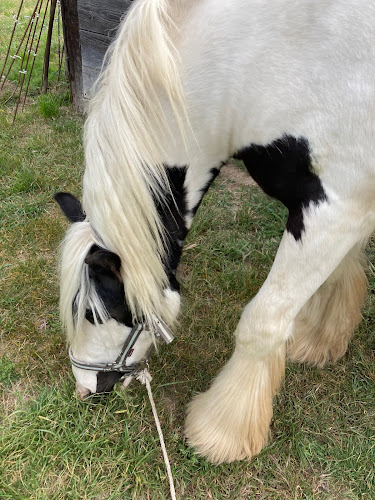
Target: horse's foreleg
(324,325)
(231,420)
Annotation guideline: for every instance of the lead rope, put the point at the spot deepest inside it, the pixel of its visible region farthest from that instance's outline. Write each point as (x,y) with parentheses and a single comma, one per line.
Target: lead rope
(145,378)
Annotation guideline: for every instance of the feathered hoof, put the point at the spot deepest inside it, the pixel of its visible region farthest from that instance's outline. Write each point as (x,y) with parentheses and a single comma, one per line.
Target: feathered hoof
(231,420)
(219,436)
(316,353)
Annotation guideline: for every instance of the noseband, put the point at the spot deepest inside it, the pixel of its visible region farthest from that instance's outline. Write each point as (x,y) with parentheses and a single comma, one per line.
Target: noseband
(161,330)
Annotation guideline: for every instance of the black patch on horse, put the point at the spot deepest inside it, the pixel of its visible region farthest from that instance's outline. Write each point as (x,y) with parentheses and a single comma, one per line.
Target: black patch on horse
(104,270)
(283,170)
(214,173)
(172,211)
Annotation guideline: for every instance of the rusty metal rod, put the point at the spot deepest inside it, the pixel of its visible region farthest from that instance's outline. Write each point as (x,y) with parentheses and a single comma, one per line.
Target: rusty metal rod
(11,39)
(20,44)
(35,52)
(24,67)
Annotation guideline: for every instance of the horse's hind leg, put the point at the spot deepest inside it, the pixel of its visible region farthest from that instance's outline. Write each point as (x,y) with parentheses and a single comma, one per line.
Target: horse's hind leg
(231,420)
(323,327)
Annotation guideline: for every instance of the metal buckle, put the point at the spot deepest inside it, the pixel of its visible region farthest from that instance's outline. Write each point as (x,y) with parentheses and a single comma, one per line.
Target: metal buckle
(162,330)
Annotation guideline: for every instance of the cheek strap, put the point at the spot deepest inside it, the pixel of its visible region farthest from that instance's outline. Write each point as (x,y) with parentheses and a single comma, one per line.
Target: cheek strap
(120,364)
(161,330)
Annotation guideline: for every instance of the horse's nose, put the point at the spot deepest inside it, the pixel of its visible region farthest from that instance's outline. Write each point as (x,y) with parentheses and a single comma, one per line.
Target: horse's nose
(82,391)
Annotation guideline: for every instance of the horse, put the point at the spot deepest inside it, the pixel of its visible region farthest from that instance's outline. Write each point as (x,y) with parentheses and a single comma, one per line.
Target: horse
(289,90)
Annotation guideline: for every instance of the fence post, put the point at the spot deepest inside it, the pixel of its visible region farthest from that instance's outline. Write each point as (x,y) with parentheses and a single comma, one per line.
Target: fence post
(47,51)
(69,12)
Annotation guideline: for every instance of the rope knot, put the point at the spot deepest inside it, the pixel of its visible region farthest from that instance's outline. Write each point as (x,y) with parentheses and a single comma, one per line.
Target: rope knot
(144,377)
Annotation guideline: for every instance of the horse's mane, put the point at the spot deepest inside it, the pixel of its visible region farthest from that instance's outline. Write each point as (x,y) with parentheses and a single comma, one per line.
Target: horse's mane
(124,173)
(76,291)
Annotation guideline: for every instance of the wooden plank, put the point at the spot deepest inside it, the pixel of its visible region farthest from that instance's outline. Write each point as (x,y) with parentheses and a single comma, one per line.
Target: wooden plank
(73,50)
(89,77)
(89,28)
(93,48)
(98,22)
(100,16)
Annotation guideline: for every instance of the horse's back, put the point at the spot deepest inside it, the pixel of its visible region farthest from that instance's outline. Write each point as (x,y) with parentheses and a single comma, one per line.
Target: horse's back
(254,72)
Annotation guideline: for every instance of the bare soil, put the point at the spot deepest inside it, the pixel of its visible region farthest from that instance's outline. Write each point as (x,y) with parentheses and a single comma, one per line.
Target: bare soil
(237,175)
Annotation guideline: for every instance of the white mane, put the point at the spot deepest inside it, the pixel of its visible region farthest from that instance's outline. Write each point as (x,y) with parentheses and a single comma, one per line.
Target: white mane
(75,285)
(124,171)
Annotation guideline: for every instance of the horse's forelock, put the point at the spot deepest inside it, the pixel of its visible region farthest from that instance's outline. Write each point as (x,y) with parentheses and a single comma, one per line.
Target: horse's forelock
(77,293)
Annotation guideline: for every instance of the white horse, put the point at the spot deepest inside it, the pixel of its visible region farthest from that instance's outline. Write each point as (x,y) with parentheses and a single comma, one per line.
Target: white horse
(289,88)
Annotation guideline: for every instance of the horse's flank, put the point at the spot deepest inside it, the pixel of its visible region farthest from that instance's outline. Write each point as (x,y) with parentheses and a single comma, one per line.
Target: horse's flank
(124,171)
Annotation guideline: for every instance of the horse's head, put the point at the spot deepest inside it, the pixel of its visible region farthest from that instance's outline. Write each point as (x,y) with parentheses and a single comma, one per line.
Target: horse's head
(106,345)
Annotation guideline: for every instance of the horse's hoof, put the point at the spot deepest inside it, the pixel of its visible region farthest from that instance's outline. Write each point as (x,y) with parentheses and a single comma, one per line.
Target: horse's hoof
(231,420)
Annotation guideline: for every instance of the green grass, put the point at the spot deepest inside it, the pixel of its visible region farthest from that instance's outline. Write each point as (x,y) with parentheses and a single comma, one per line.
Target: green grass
(53,446)
(50,103)
(8,372)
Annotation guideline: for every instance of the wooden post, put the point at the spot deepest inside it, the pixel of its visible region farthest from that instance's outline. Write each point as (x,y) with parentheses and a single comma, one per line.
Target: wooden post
(47,51)
(72,43)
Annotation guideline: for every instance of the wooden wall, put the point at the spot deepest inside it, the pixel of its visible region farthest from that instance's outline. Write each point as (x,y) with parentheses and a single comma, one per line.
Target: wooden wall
(89,27)
(98,23)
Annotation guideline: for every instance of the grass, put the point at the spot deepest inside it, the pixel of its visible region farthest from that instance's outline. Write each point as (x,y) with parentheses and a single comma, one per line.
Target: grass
(54,446)
(50,103)
(8,372)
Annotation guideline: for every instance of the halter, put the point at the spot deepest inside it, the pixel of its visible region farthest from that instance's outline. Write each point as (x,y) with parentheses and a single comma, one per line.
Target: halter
(161,330)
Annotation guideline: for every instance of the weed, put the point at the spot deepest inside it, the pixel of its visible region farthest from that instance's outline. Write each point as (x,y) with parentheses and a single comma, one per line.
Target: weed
(8,373)
(49,105)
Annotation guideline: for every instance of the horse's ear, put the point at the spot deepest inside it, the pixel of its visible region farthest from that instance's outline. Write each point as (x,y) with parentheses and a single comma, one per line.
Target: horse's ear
(102,261)
(70,206)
